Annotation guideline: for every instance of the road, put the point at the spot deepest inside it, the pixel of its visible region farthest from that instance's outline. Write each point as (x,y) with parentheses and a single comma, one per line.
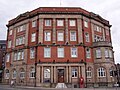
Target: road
(7,87)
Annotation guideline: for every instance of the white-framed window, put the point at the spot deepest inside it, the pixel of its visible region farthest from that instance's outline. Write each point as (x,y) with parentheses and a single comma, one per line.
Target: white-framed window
(110,54)
(60,22)
(10,32)
(20,40)
(101,72)
(74,52)
(22,74)
(86,24)
(87,39)
(98,53)
(22,54)
(74,72)
(89,72)
(32,53)
(14,74)
(72,22)
(47,36)
(9,44)
(32,73)
(60,36)
(33,37)
(60,52)
(21,28)
(88,53)
(34,23)
(46,73)
(15,56)
(18,55)
(8,57)
(47,52)
(72,36)
(7,74)
(48,22)
(106,53)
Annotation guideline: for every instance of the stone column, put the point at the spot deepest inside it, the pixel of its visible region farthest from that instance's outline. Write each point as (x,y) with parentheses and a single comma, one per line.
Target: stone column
(42,75)
(55,74)
(67,74)
(79,73)
(51,74)
(70,76)
(38,75)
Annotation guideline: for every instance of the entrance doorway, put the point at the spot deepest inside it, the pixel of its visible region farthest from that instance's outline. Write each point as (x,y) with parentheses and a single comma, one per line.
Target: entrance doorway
(60,75)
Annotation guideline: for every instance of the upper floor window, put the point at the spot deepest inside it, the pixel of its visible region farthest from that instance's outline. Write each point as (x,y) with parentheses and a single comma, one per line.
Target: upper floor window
(60,22)
(72,22)
(47,36)
(9,44)
(72,36)
(33,37)
(111,72)
(87,37)
(60,52)
(10,32)
(21,28)
(86,24)
(7,57)
(20,40)
(32,53)
(101,72)
(88,53)
(74,52)
(106,53)
(98,53)
(110,54)
(89,72)
(74,72)
(34,23)
(60,36)
(97,28)
(48,22)
(19,55)
(47,52)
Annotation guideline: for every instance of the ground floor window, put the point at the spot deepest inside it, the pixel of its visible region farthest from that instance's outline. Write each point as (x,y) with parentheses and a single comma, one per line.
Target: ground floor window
(74,72)
(32,73)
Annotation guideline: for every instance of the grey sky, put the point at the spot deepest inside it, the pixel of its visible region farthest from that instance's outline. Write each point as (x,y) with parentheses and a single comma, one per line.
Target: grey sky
(108,9)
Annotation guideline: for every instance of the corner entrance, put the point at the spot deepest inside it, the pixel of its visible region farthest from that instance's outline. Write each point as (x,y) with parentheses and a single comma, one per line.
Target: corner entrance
(60,75)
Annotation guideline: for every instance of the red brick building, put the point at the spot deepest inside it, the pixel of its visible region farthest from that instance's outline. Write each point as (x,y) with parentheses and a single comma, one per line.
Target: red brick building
(54,46)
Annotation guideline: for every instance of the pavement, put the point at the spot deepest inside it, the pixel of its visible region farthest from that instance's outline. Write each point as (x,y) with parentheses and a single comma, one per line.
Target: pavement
(7,87)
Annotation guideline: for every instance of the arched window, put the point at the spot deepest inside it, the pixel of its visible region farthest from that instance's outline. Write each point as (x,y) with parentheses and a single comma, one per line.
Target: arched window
(7,74)
(14,74)
(22,73)
(101,72)
(46,73)
(89,72)
(32,72)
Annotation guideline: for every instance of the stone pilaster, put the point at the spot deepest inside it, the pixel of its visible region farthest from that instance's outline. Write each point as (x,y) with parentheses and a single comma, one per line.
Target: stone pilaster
(41,34)
(54,31)
(55,74)
(70,76)
(51,74)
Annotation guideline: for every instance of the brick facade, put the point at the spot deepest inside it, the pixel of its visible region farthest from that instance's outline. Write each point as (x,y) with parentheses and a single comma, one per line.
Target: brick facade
(82,30)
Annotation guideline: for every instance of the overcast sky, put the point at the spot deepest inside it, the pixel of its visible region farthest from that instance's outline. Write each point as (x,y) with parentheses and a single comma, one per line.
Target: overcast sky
(108,9)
